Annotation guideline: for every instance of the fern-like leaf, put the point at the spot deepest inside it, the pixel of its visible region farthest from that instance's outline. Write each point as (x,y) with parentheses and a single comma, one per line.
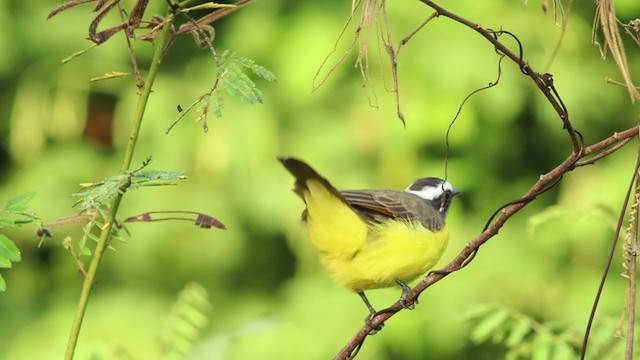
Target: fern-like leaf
(99,195)
(14,214)
(233,80)
(186,321)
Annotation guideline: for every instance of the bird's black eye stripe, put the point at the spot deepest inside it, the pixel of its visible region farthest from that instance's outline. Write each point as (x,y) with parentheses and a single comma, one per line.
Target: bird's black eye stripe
(447,194)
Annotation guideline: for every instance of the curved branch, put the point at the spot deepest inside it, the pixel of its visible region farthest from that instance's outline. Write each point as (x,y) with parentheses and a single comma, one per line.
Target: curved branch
(543,81)
(472,247)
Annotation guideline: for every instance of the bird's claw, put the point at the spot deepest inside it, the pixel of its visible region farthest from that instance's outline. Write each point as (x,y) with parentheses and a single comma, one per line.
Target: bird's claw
(403,298)
(410,305)
(375,329)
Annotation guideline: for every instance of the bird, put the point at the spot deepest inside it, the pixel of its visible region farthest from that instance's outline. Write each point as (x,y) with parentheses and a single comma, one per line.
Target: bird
(370,239)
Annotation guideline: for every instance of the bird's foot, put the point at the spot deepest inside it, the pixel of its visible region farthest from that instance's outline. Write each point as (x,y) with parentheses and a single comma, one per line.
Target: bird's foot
(403,298)
(368,320)
(410,305)
(372,314)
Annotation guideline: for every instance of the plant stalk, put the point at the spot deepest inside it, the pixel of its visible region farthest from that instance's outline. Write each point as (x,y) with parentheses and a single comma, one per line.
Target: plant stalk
(632,254)
(103,241)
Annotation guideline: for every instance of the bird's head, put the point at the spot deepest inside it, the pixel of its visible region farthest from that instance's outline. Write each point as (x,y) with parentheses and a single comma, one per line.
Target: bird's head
(437,192)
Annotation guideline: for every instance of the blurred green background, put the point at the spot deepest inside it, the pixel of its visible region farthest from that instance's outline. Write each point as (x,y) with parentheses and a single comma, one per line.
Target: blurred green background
(269,297)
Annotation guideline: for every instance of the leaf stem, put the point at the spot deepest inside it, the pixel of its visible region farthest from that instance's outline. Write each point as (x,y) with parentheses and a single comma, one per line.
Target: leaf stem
(103,241)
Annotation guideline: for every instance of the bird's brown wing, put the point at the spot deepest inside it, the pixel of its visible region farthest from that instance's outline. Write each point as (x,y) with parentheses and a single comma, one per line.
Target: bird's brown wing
(378,205)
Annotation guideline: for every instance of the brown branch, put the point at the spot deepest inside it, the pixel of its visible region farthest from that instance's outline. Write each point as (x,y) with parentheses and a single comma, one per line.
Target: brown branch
(472,247)
(212,17)
(603,153)
(543,81)
(616,137)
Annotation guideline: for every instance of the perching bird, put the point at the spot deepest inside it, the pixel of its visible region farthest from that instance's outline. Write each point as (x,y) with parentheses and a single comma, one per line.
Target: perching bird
(369,239)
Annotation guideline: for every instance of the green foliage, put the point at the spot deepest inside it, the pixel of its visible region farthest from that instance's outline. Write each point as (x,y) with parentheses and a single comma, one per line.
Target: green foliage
(14,214)
(96,198)
(99,195)
(186,321)
(525,338)
(230,79)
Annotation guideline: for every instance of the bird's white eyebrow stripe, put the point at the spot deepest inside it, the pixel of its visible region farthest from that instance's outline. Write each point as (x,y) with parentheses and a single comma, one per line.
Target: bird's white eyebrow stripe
(431,192)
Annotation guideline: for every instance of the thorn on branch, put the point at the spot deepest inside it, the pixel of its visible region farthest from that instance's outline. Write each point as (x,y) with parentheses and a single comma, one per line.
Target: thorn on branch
(67,244)
(547,79)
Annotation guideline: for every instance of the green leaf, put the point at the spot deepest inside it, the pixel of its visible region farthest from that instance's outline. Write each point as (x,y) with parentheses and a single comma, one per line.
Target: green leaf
(3,285)
(542,344)
(235,81)
(4,262)
(4,222)
(263,73)
(216,104)
(489,325)
(19,203)
(518,332)
(101,194)
(93,237)
(8,249)
(187,319)
(19,222)
(158,175)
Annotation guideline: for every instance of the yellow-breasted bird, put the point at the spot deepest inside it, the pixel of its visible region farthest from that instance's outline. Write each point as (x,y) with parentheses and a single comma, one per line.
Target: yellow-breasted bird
(369,239)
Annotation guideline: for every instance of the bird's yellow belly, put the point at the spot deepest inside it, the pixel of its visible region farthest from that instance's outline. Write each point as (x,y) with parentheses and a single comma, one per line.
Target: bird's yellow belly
(393,250)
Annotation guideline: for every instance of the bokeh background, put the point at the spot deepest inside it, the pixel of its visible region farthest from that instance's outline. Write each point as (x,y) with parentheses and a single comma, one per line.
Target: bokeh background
(268,295)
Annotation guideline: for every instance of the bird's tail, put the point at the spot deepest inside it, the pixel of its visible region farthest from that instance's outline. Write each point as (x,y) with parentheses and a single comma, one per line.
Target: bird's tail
(303,173)
(334,227)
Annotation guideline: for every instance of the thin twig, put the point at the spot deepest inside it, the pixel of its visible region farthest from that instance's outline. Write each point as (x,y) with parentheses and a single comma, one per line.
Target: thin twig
(563,31)
(611,81)
(408,37)
(614,244)
(344,56)
(393,57)
(447,145)
(132,54)
(604,153)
